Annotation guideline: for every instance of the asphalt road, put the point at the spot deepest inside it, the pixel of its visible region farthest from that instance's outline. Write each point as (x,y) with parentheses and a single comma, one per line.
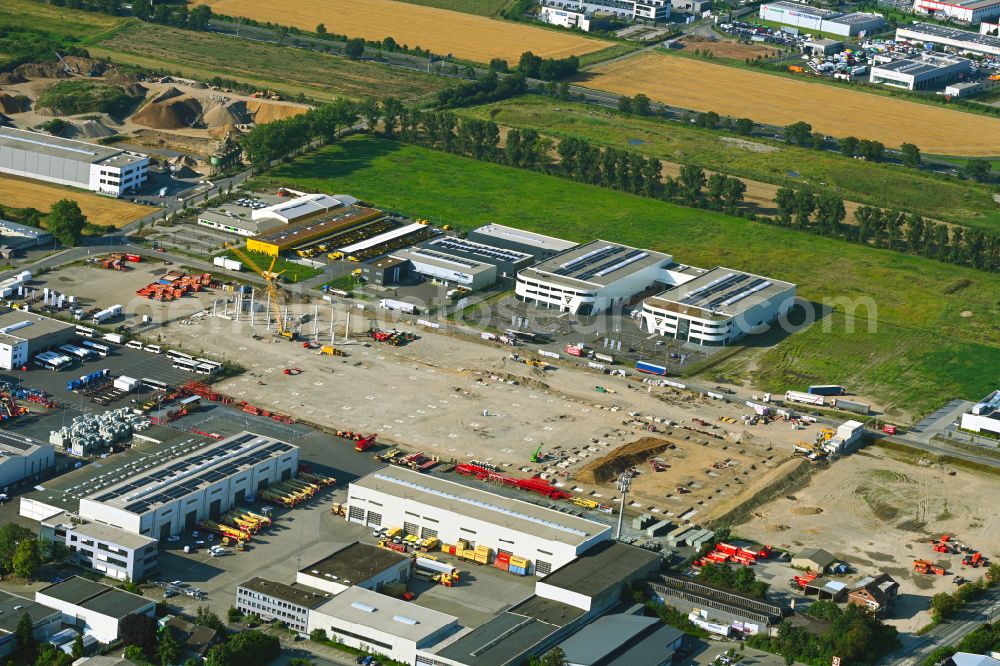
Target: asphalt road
(950,632)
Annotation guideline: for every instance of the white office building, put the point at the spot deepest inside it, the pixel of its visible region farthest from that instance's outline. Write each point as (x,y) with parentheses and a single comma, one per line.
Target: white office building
(25,334)
(927,71)
(718,307)
(431,507)
(565,18)
(595,277)
(962,41)
(826,21)
(94,608)
(108,550)
(368,620)
(100,169)
(967,11)
(984,417)
(174,496)
(269,600)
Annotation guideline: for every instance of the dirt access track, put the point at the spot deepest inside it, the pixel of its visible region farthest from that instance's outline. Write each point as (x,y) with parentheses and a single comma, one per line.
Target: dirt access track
(442,31)
(22,193)
(879,513)
(778,100)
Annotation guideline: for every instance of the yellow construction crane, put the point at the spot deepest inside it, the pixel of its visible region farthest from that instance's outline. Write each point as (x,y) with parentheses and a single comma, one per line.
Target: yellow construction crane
(271,279)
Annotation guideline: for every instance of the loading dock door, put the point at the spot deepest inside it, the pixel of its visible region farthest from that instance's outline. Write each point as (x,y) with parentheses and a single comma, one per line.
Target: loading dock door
(164,531)
(285,475)
(215,509)
(190,520)
(241,496)
(261,485)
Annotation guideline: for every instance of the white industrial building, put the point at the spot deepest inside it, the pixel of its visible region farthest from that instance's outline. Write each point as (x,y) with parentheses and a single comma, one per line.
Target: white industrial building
(207,481)
(300,208)
(448,269)
(53,159)
(94,608)
(595,277)
(539,246)
(355,565)
(984,417)
(46,622)
(626,10)
(364,619)
(269,600)
(22,459)
(962,41)
(578,19)
(718,307)
(428,506)
(967,11)
(24,334)
(824,21)
(113,552)
(926,71)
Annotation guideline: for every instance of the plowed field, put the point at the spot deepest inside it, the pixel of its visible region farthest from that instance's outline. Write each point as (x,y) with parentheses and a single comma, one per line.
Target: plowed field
(766,98)
(465,36)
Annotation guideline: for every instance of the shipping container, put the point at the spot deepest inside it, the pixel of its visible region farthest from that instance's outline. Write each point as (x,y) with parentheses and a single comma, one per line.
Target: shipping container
(573,350)
(402,306)
(826,389)
(134,258)
(851,406)
(610,360)
(650,368)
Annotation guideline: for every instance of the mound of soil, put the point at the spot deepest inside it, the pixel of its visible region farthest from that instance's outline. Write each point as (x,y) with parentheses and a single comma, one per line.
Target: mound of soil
(265,112)
(87,129)
(184,172)
(164,95)
(222,115)
(183,161)
(198,85)
(610,466)
(12,104)
(176,113)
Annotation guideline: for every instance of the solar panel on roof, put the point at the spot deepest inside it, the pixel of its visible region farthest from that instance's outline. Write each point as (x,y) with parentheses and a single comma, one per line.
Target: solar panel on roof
(613,265)
(589,259)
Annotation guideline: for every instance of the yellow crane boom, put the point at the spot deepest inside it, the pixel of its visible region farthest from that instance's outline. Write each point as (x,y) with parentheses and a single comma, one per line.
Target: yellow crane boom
(271,279)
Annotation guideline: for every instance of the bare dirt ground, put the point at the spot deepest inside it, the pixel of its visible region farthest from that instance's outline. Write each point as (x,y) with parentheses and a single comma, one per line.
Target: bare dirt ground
(724,48)
(880,513)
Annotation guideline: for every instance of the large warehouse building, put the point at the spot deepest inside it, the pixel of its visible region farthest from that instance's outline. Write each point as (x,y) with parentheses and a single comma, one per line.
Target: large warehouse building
(507,261)
(826,21)
(928,71)
(595,277)
(984,417)
(312,229)
(718,307)
(539,246)
(428,506)
(962,41)
(22,459)
(447,269)
(67,162)
(172,497)
(23,334)
(967,11)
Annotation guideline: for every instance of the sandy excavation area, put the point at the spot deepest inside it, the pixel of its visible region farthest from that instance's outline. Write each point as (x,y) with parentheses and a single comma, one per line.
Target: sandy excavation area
(457,399)
(880,513)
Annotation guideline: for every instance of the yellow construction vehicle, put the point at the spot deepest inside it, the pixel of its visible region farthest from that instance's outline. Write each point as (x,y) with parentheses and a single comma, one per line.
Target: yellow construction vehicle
(336,256)
(584,502)
(271,279)
(330,350)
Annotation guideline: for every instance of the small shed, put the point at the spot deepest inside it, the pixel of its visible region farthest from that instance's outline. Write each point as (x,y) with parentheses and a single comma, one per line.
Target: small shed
(813,559)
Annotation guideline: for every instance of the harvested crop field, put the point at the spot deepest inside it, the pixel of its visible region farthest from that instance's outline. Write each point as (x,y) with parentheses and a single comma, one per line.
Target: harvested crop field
(21,193)
(767,98)
(462,35)
(726,48)
(204,55)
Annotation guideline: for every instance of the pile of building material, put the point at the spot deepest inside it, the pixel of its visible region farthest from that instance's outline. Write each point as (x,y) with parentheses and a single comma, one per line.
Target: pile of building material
(14,284)
(91,432)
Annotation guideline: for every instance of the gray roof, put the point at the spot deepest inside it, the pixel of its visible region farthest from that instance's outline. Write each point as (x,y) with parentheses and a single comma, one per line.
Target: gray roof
(433,257)
(605,565)
(621,639)
(510,234)
(487,253)
(12,443)
(67,149)
(817,555)
(598,263)
(926,64)
(481,504)
(384,613)
(719,292)
(356,563)
(803,9)
(115,535)
(932,32)
(969,659)
(218,216)
(856,17)
(40,325)
(96,597)
(10,617)
(293,594)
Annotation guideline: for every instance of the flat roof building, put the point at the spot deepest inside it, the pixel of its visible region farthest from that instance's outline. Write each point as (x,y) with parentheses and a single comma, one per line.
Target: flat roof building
(358,565)
(225,218)
(269,600)
(398,629)
(429,506)
(967,11)
(111,551)
(52,159)
(46,620)
(300,208)
(95,608)
(507,261)
(592,278)
(718,307)
(23,334)
(311,230)
(927,71)
(962,41)
(539,246)
(205,482)
(824,21)
(623,639)
(448,269)
(22,236)
(22,459)
(593,582)
(984,417)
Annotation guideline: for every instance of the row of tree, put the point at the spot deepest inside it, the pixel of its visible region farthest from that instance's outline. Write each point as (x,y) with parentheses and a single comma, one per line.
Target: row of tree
(275,140)
(741,579)
(491,87)
(895,230)
(168,14)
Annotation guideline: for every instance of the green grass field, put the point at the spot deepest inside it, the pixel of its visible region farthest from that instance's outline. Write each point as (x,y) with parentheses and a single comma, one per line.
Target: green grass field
(478,7)
(855,180)
(291,271)
(923,351)
(206,55)
(64,22)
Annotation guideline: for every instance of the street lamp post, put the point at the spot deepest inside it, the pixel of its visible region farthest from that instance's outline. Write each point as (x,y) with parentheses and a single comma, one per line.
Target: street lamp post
(624,481)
